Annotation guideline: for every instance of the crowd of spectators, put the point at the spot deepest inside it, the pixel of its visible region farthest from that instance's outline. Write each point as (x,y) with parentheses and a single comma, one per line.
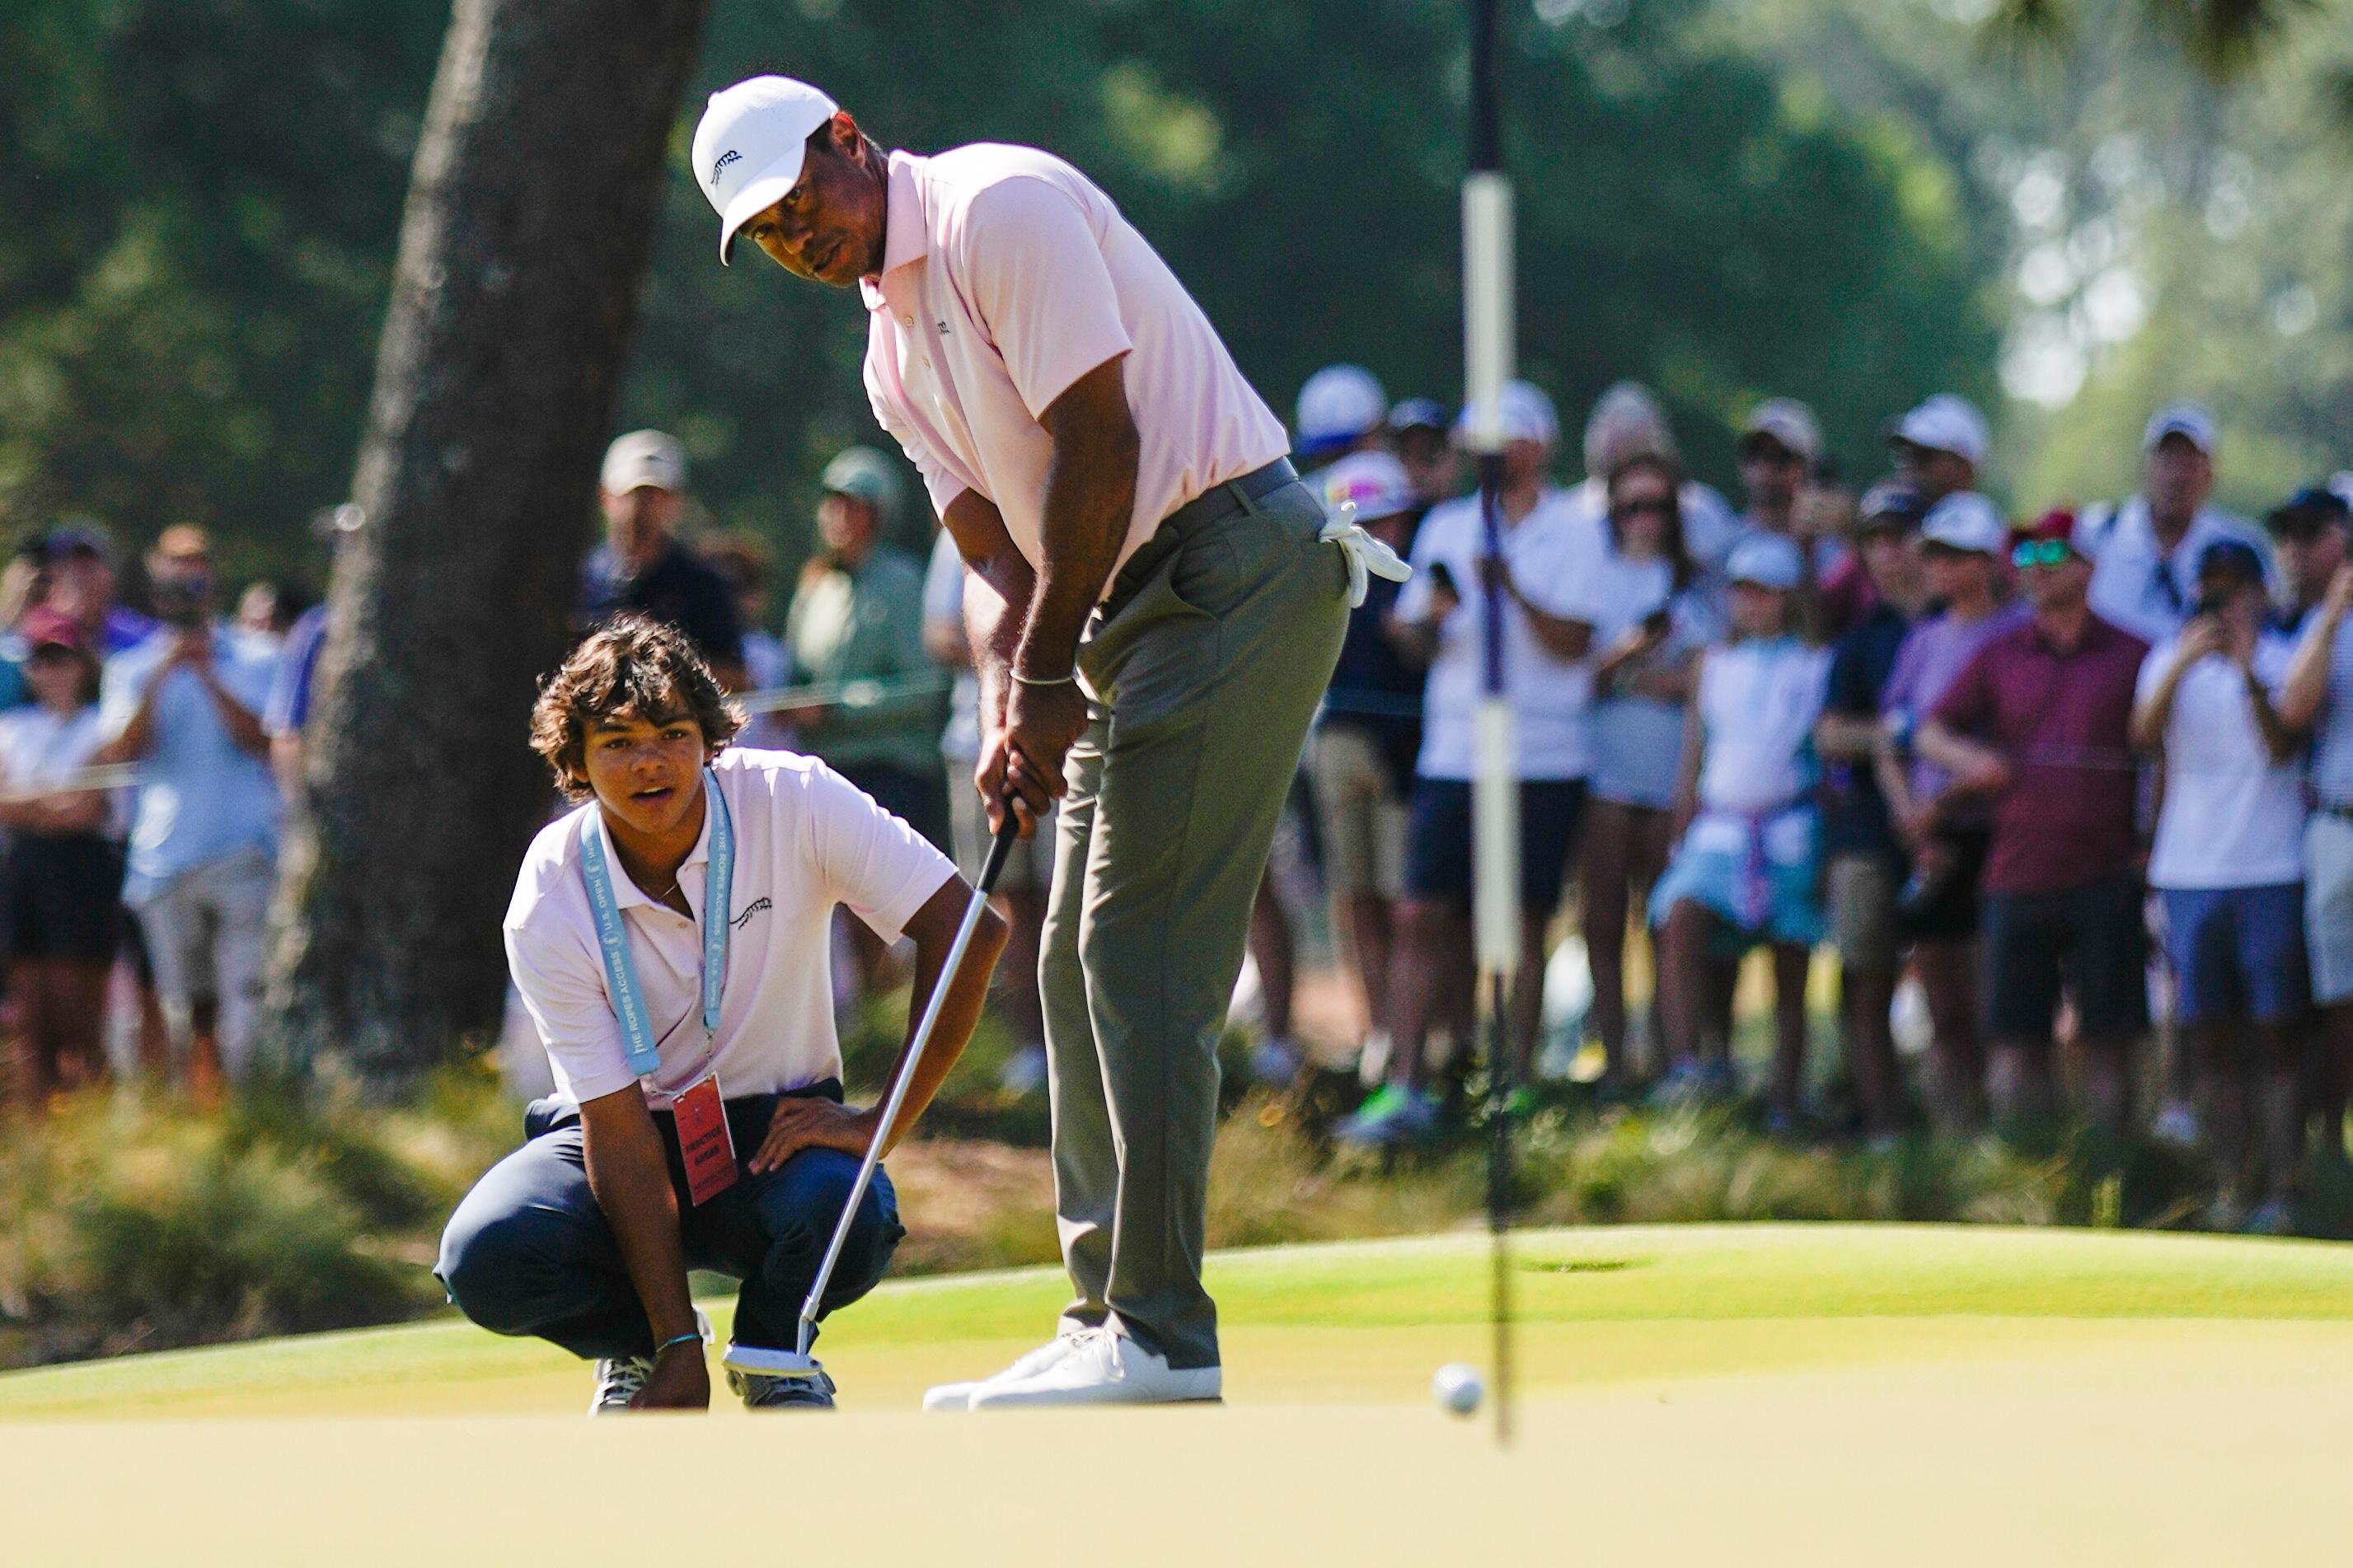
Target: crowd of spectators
(2084,780)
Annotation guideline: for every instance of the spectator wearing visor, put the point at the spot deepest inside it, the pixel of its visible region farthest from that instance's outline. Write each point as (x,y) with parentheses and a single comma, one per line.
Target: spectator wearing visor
(65,862)
(1626,421)
(2145,549)
(1656,613)
(1747,868)
(2228,868)
(2039,727)
(1945,832)
(1361,753)
(1865,862)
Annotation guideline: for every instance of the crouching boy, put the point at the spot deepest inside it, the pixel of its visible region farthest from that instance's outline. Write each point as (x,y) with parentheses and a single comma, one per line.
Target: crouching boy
(669,939)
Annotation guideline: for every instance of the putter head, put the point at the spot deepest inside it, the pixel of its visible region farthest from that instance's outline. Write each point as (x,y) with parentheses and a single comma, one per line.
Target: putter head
(765,1362)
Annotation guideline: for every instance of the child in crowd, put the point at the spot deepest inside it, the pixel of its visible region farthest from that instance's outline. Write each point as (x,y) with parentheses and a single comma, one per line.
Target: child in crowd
(1745,868)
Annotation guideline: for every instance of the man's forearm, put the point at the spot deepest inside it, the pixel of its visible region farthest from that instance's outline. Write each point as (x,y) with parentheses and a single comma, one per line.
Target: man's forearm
(934,929)
(2305,689)
(628,1175)
(1090,498)
(244,726)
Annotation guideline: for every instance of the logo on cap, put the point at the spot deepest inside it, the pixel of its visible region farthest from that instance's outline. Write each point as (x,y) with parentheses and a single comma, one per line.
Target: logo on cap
(729,157)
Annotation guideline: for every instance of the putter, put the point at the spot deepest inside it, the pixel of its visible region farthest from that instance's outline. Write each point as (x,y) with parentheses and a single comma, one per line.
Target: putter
(797,1362)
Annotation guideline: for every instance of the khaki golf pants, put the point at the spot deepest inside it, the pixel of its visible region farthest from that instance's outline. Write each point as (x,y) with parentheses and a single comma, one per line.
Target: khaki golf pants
(1204,666)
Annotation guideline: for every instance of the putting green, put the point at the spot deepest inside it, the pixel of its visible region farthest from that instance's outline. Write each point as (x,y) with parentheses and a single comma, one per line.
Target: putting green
(1790,1393)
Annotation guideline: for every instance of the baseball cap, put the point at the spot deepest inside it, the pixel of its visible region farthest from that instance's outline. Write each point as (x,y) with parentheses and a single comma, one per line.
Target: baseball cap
(1966,521)
(44,628)
(1945,423)
(644,459)
(863,474)
(1765,560)
(2056,526)
(2234,558)
(1339,403)
(1419,413)
(749,146)
(2308,512)
(1375,481)
(1890,499)
(1787,421)
(2189,420)
(1527,414)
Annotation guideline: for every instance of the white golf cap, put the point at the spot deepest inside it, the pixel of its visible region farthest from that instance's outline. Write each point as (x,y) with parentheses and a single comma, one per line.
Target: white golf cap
(2189,420)
(1527,414)
(864,474)
(1376,482)
(1966,521)
(1767,561)
(1340,404)
(1945,423)
(644,459)
(749,146)
(1787,421)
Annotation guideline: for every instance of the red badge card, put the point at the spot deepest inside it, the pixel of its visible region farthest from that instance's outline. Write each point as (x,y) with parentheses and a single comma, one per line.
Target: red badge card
(704,1139)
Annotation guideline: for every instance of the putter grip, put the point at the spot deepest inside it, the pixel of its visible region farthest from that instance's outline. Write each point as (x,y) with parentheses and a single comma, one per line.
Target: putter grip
(998,851)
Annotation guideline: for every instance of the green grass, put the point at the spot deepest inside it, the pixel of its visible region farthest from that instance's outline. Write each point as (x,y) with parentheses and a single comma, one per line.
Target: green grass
(1653,1300)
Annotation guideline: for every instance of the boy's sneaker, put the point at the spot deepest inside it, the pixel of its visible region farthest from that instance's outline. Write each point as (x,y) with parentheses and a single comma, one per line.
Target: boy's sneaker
(760,1391)
(1390,1114)
(618,1380)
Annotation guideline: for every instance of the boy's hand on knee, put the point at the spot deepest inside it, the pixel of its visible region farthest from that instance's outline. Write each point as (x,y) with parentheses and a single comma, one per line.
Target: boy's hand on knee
(801,1124)
(681,1380)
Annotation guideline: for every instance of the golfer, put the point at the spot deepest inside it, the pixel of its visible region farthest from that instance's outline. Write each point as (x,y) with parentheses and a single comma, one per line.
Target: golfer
(1154,619)
(669,939)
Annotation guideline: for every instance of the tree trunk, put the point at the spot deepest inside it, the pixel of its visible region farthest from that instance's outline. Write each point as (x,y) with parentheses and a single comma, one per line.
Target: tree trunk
(529,223)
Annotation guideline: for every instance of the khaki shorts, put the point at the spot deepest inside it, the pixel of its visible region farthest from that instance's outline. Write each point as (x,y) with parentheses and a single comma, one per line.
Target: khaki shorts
(1031,864)
(1862,898)
(1360,811)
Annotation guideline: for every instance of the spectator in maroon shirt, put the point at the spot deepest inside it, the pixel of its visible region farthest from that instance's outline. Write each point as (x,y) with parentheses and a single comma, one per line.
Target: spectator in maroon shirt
(2039,725)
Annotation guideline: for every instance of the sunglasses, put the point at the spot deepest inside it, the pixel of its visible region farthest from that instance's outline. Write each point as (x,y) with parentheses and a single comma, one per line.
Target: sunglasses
(2041,553)
(1646,506)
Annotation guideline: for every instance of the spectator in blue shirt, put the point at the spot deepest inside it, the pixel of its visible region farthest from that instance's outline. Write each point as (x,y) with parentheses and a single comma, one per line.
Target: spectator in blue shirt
(185,704)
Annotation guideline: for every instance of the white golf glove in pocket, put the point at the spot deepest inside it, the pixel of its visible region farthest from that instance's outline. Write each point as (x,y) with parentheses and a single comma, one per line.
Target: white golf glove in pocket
(1366,555)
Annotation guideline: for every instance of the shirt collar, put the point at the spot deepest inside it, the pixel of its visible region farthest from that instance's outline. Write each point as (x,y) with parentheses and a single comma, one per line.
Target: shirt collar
(906,236)
(627,894)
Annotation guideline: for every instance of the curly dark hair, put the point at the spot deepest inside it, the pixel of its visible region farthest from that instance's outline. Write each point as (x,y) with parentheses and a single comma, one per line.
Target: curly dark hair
(633,664)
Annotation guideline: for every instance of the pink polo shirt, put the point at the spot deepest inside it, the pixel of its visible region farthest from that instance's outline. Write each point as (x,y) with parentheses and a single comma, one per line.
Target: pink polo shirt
(1007,276)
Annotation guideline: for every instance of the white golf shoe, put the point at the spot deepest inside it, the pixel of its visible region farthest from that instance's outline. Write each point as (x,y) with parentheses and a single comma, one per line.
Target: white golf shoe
(958,1396)
(1104,1368)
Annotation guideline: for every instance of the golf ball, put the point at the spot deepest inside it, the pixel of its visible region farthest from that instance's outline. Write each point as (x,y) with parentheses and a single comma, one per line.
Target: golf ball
(1457,1388)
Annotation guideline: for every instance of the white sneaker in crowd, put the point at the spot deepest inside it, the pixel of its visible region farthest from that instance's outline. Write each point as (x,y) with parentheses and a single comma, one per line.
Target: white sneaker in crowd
(1274,1062)
(958,1396)
(2177,1125)
(1104,1368)
(1025,1071)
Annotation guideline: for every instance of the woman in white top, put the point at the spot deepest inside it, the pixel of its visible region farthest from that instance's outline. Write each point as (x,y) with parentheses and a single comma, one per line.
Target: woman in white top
(1745,870)
(64,881)
(1654,619)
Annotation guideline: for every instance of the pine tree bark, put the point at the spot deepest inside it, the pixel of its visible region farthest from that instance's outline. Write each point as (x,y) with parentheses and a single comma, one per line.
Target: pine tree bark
(529,227)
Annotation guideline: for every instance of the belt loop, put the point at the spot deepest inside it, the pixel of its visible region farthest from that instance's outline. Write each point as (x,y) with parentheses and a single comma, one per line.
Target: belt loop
(1241,497)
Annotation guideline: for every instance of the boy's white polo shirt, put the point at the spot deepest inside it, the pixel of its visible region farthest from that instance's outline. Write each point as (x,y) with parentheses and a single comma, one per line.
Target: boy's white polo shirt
(805,839)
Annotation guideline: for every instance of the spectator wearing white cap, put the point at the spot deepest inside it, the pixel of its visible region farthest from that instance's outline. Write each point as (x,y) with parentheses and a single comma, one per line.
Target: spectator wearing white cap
(1341,409)
(1545,579)
(642,566)
(2145,549)
(1626,421)
(1360,758)
(1963,540)
(1940,446)
(1780,453)
(1747,868)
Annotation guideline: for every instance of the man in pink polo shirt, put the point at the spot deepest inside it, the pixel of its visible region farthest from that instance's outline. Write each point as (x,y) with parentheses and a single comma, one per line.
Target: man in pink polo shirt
(1154,616)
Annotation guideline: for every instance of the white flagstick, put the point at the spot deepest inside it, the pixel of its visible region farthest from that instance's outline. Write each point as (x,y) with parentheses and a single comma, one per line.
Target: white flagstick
(1487,336)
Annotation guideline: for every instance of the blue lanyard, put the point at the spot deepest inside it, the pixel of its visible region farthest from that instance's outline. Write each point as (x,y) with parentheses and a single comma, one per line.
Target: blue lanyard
(613,939)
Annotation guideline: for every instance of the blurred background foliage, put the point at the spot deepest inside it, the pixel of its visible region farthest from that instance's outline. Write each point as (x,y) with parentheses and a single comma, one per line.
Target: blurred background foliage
(1850,201)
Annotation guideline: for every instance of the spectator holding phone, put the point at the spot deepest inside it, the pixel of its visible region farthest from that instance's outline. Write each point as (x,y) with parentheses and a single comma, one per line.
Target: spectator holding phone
(2228,866)
(1655,614)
